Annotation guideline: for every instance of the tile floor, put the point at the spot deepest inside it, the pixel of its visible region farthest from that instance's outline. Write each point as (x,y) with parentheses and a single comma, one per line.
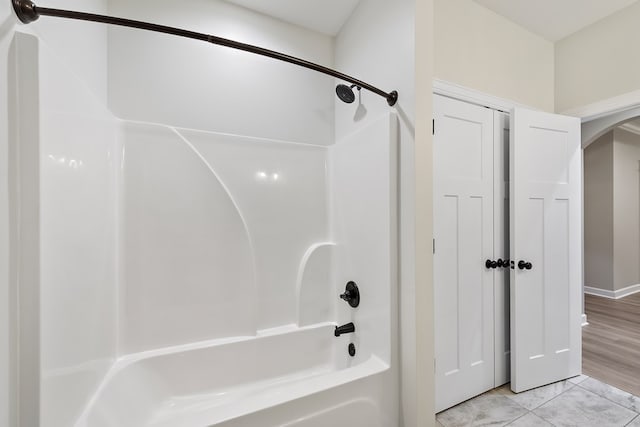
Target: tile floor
(579,402)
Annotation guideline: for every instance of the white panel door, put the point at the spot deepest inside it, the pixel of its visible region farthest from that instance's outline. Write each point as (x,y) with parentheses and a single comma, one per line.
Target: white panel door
(546,229)
(463,232)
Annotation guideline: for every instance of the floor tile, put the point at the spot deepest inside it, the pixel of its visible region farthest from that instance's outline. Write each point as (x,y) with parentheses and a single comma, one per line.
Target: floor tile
(486,410)
(530,420)
(578,407)
(635,422)
(504,390)
(621,397)
(538,396)
(578,379)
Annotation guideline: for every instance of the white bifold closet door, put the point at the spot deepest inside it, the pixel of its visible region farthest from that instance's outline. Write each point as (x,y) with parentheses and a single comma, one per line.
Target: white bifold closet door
(546,245)
(463,240)
(499,196)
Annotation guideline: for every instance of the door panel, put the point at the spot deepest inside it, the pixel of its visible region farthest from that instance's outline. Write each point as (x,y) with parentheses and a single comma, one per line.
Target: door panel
(463,232)
(546,228)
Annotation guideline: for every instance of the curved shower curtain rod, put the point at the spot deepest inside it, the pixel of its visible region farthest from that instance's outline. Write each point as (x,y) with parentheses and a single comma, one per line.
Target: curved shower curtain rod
(28,12)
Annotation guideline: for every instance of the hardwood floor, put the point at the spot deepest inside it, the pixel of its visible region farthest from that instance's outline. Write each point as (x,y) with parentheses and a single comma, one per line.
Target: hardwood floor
(611,341)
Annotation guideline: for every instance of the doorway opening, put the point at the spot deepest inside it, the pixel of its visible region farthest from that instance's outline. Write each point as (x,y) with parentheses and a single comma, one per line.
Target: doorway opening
(611,339)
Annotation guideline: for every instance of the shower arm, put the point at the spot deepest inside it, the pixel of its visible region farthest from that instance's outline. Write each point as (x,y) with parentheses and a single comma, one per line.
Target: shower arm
(28,12)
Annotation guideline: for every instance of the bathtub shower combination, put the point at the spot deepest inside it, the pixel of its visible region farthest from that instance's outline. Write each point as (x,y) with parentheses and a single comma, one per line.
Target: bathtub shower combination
(193,278)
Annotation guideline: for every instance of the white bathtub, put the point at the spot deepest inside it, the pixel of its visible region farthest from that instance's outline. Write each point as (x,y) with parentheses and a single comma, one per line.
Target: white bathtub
(222,381)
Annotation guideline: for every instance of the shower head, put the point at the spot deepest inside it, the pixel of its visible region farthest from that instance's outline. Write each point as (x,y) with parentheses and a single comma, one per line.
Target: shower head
(345,93)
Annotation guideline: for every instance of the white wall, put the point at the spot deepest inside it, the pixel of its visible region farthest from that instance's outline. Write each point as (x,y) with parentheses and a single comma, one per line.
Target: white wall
(81,45)
(479,49)
(191,84)
(600,61)
(87,54)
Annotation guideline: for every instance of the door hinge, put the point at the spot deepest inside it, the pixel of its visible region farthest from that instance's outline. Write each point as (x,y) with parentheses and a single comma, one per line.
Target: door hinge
(433,127)
(434,366)
(434,246)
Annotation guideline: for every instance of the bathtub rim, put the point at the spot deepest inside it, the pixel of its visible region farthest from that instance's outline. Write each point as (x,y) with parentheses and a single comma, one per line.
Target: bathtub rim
(374,364)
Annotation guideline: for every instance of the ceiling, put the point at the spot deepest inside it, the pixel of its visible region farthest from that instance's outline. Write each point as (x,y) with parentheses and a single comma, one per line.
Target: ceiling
(551,19)
(555,19)
(325,16)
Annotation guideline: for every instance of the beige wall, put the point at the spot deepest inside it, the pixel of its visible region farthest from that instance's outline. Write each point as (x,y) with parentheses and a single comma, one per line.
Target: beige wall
(626,210)
(612,211)
(478,49)
(423,274)
(600,61)
(598,213)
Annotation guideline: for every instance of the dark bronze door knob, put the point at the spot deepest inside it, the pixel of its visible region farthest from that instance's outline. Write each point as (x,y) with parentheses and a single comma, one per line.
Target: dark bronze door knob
(523,265)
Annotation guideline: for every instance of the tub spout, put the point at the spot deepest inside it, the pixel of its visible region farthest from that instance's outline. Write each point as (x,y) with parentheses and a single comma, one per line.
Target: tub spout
(345,329)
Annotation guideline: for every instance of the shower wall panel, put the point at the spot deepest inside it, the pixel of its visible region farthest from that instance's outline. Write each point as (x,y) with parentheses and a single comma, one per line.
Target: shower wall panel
(364,225)
(214,231)
(281,190)
(188,268)
(78,235)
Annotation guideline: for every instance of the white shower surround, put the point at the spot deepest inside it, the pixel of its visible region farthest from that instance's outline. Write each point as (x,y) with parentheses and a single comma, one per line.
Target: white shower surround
(291,222)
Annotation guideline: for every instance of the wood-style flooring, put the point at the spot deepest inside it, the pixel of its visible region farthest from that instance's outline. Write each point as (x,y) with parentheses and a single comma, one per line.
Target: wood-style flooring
(611,341)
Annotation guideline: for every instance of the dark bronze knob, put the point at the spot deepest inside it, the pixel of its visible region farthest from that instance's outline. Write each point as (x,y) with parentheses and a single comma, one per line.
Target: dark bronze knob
(523,265)
(351,294)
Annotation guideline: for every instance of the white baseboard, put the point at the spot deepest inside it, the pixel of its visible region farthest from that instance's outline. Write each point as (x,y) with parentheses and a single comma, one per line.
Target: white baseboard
(620,293)
(600,292)
(584,320)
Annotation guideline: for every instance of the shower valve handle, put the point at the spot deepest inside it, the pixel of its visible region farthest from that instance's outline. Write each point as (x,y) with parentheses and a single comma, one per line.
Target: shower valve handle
(351,294)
